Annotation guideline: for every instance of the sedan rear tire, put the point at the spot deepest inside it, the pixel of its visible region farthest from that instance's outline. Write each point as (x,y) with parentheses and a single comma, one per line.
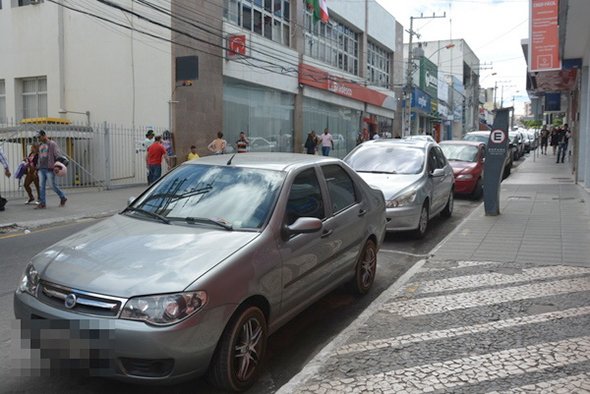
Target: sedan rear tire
(237,361)
(365,269)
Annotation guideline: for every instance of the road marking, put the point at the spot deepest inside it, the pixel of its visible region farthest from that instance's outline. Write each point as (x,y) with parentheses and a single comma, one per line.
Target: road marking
(493,279)
(444,303)
(459,331)
(463,371)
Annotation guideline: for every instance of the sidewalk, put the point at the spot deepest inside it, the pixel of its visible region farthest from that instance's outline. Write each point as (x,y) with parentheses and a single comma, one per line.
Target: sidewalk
(87,204)
(503,305)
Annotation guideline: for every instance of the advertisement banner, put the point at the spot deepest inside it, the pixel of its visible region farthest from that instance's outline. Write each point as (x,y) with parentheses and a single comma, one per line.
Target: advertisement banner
(421,101)
(544,36)
(428,77)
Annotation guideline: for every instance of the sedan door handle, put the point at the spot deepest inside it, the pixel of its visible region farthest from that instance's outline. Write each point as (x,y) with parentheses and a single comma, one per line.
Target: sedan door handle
(326,233)
(362,212)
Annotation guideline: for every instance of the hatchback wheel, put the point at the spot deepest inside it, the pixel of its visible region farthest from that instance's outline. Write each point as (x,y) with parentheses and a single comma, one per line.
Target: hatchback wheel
(478,190)
(365,270)
(448,209)
(422,222)
(237,361)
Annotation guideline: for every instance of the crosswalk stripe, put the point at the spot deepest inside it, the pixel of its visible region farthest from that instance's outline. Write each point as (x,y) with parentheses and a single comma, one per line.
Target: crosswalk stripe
(493,279)
(579,383)
(444,303)
(402,340)
(464,371)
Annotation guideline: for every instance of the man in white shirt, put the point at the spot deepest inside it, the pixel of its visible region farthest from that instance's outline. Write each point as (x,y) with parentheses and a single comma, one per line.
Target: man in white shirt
(327,142)
(4,163)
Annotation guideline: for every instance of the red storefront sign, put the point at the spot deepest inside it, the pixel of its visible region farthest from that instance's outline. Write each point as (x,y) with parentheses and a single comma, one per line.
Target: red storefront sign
(544,36)
(236,45)
(317,78)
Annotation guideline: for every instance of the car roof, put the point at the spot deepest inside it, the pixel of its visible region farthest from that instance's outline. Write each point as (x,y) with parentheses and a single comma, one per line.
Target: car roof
(482,132)
(277,161)
(409,142)
(461,142)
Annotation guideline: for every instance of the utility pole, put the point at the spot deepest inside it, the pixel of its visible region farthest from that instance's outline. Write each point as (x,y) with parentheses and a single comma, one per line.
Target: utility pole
(410,71)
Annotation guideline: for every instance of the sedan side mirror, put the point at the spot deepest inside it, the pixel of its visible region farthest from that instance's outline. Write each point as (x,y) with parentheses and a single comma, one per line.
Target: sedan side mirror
(438,172)
(303,225)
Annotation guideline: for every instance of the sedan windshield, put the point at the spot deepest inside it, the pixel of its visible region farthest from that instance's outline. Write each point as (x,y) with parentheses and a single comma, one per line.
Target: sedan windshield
(386,159)
(219,196)
(456,152)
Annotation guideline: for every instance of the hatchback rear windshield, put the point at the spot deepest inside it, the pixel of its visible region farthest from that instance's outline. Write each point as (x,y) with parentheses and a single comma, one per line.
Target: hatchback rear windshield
(458,152)
(390,159)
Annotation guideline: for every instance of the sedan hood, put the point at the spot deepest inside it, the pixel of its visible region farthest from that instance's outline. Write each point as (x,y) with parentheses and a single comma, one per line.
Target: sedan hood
(462,166)
(126,257)
(390,184)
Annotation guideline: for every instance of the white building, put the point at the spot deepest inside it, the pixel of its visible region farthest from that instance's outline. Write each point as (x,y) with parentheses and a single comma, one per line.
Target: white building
(58,62)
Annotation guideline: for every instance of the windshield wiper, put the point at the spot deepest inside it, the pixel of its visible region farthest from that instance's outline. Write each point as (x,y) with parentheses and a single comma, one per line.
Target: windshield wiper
(148,213)
(175,196)
(378,172)
(193,220)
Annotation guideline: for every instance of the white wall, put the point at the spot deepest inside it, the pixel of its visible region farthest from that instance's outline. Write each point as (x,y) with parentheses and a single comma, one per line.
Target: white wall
(98,72)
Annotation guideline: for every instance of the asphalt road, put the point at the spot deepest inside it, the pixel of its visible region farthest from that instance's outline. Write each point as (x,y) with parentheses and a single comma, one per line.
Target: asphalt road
(289,348)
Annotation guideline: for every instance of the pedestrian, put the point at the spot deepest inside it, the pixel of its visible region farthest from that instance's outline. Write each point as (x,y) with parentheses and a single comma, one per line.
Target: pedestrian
(4,163)
(311,143)
(562,141)
(155,153)
(218,145)
(553,139)
(48,153)
(544,139)
(149,139)
(242,144)
(193,153)
(32,175)
(327,142)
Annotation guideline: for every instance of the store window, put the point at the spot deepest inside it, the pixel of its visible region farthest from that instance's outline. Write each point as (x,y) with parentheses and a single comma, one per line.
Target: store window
(265,115)
(333,43)
(269,18)
(378,65)
(343,123)
(2,101)
(34,97)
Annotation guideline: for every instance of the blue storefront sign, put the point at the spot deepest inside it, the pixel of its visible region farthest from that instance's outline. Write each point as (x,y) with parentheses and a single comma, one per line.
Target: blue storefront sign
(421,101)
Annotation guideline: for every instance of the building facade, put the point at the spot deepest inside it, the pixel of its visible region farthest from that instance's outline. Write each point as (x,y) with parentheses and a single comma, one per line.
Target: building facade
(270,69)
(73,64)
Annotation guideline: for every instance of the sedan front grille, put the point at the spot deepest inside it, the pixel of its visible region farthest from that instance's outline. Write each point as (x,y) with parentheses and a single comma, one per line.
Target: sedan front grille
(85,303)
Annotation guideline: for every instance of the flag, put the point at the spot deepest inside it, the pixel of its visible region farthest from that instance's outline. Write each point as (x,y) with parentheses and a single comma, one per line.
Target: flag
(319,9)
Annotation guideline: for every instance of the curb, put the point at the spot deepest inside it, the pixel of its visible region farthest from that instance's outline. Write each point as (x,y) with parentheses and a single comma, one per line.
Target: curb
(6,228)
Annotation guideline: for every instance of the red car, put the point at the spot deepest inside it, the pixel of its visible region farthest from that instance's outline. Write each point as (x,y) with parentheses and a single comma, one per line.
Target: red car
(467,159)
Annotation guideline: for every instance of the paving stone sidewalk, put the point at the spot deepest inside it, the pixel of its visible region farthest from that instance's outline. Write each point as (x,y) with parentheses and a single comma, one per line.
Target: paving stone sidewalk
(502,306)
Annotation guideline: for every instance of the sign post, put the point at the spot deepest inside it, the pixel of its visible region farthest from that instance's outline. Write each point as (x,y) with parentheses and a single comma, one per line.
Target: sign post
(496,156)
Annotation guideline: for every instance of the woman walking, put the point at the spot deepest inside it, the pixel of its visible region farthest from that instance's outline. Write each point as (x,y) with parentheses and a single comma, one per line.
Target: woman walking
(553,139)
(31,173)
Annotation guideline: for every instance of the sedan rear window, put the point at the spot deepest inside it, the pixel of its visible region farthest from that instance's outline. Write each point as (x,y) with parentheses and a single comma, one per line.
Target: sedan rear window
(230,197)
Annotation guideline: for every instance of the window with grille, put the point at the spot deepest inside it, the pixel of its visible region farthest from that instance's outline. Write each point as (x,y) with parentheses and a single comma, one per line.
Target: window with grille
(378,65)
(34,97)
(269,18)
(333,43)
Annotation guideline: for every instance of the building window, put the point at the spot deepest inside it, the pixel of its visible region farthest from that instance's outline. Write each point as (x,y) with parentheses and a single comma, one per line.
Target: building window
(332,43)
(2,101)
(269,18)
(378,65)
(34,97)
(26,2)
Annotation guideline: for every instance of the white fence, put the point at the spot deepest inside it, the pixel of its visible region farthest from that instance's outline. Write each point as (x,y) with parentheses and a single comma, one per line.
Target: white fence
(101,156)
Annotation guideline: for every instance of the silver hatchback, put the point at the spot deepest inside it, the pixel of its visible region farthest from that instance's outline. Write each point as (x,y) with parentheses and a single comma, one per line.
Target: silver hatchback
(193,275)
(415,177)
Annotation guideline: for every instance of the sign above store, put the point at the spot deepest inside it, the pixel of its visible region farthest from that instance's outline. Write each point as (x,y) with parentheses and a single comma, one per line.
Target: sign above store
(544,36)
(320,79)
(236,45)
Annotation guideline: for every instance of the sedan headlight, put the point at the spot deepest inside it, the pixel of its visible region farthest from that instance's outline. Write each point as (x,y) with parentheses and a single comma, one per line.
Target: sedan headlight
(166,309)
(464,176)
(402,200)
(29,281)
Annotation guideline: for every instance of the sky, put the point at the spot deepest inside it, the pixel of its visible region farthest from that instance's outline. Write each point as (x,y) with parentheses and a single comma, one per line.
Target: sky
(493,29)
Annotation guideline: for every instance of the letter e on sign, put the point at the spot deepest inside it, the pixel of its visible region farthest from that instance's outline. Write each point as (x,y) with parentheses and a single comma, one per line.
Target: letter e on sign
(498,136)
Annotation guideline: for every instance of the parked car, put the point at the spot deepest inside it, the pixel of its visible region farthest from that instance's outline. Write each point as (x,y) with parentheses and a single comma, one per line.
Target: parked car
(517,140)
(483,136)
(534,138)
(415,178)
(467,159)
(192,277)
(261,144)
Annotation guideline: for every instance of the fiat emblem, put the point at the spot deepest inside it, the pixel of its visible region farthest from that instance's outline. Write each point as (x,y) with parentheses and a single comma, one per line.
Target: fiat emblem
(70,301)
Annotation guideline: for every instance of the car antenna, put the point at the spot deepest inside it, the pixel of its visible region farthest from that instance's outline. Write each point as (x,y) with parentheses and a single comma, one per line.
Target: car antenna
(230,159)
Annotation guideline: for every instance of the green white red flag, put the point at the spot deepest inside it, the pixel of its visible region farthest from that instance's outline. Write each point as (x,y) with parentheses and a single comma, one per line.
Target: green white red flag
(319,9)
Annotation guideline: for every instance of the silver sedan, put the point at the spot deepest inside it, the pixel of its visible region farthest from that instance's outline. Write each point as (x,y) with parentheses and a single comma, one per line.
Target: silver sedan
(415,178)
(193,275)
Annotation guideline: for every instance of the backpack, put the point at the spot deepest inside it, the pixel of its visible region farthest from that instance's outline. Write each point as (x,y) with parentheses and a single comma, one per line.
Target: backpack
(21,170)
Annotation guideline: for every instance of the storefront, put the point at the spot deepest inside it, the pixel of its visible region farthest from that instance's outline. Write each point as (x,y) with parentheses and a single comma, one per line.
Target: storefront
(264,114)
